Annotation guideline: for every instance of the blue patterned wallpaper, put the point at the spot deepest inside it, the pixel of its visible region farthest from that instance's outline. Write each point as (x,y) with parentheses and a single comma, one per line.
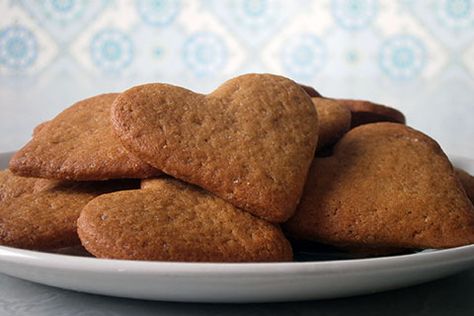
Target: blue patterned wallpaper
(417,55)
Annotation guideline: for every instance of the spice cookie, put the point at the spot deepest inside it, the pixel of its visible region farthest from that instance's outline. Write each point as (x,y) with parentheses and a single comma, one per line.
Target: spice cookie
(334,121)
(310,91)
(39,127)
(250,142)
(41,214)
(386,185)
(173,221)
(79,145)
(467,182)
(364,112)
(12,186)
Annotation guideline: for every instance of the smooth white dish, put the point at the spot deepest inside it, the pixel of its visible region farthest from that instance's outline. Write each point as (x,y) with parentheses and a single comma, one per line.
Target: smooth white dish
(248,282)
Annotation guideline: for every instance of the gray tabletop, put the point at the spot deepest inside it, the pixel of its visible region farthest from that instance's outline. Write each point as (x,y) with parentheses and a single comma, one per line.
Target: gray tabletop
(449,296)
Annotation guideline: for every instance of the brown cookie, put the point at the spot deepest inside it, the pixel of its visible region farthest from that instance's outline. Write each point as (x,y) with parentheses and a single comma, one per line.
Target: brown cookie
(386,185)
(467,182)
(39,127)
(12,186)
(172,221)
(250,142)
(365,112)
(41,214)
(310,91)
(334,121)
(79,145)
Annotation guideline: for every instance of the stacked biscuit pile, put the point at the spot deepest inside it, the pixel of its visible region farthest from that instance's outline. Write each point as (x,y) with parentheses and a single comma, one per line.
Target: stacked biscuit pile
(162,173)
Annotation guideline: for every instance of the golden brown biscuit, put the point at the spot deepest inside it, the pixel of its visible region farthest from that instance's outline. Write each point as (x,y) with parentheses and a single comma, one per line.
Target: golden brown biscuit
(12,186)
(310,91)
(41,214)
(334,121)
(250,142)
(386,185)
(467,182)
(157,183)
(39,127)
(79,145)
(365,112)
(172,221)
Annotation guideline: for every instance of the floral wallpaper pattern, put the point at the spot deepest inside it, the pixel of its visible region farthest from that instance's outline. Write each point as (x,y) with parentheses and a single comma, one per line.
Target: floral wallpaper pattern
(417,55)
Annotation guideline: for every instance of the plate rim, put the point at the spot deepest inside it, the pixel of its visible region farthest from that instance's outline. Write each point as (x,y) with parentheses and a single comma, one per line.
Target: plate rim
(73,263)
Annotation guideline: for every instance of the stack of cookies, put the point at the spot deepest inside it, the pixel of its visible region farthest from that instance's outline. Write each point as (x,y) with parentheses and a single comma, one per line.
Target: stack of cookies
(159,172)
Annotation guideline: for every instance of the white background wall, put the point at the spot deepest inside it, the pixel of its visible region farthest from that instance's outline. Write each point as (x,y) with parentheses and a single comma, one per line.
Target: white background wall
(417,55)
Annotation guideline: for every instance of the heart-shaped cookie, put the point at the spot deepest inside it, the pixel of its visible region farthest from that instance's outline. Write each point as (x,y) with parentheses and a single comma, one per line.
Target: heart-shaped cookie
(173,221)
(386,185)
(365,112)
(42,214)
(12,186)
(467,181)
(79,145)
(334,121)
(310,91)
(250,142)
(39,127)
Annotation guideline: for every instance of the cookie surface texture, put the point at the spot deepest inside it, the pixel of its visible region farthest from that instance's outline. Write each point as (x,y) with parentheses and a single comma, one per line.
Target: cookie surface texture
(365,112)
(334,121)
(312,92)
(250,142)
(42,214)
(173,221)
(12,186)
(38,128)
(79,145)
(386,185)
(467,181)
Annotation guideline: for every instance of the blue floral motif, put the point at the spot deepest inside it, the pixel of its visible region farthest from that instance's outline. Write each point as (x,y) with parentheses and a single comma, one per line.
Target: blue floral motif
(62,5)
(158,12)
(255,7)
(205,53)
(18,47)
(354,14)
(303,55)
(111,50)
(403,57)
(63,10)
(254,13)
(458,9)
(456,13)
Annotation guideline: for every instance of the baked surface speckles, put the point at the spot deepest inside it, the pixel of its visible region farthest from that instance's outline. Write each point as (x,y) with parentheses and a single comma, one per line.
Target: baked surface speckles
(467,181)
(174,221)
(41,214)
(386,185)
(79,145)
(334,121)
(365,112)
(250,142)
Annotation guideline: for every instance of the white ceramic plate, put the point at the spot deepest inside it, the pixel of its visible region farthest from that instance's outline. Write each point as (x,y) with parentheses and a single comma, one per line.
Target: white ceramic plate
(248,282)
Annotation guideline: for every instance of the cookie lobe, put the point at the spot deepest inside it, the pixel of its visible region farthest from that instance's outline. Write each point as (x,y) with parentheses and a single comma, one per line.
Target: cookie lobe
(173,221)
(366,112)
(79,145)
(41,214)
(386,185)
(467,181)
(334,121)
